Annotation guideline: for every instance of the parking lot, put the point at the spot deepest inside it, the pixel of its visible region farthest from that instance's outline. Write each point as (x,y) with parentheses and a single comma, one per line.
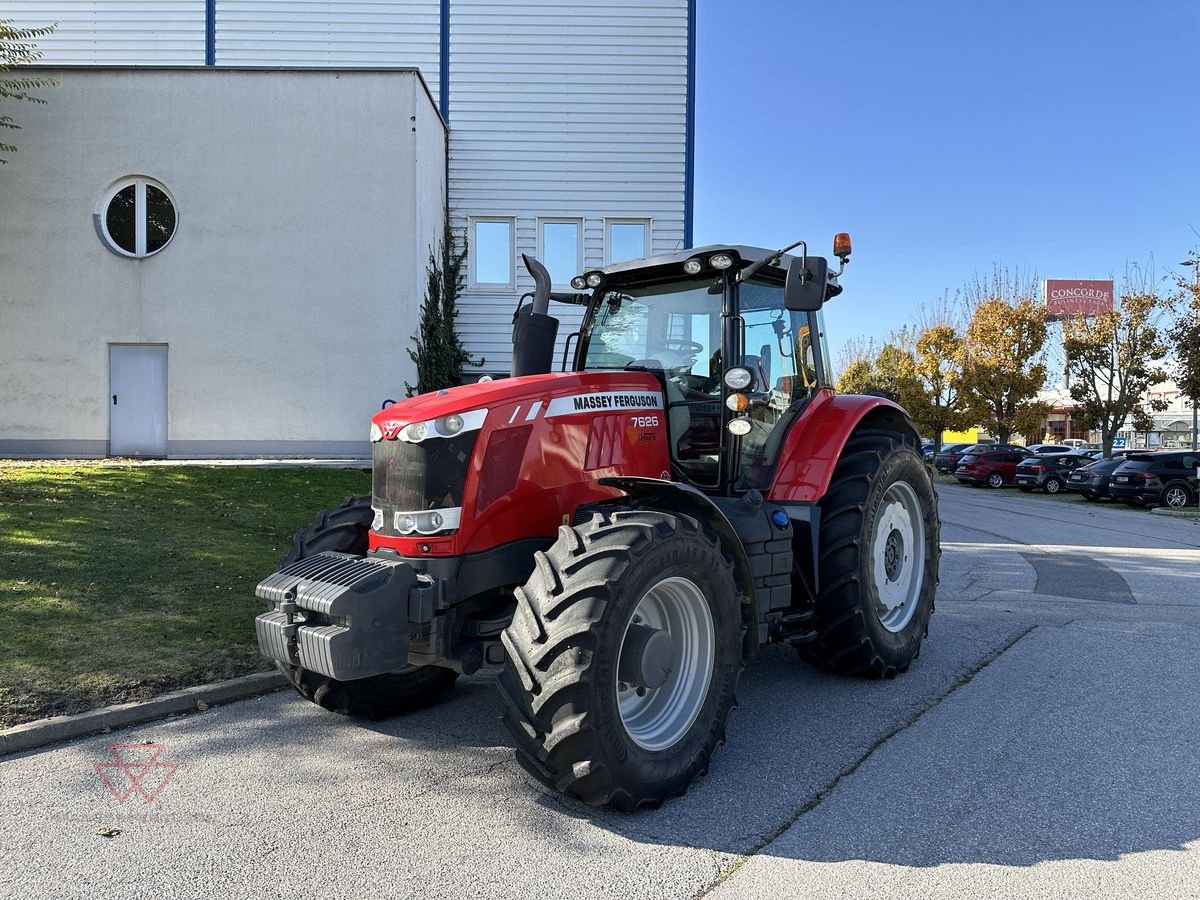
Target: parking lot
(1045,743)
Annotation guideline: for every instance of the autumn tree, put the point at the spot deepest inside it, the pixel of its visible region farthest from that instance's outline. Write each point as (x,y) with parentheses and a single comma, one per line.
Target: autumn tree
(933,388)
(1113,358)
(17,49)
(1184,335)
(882,375)
(1005,354)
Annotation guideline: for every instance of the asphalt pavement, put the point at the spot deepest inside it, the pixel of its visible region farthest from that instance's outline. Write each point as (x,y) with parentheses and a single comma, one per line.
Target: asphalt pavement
(1045,744)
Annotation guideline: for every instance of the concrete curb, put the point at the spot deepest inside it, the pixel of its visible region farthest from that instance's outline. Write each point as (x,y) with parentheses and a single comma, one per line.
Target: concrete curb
(1176,513)
(33,735)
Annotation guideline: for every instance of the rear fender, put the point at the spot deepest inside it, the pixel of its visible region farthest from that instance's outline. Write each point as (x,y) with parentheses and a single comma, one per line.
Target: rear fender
(814,443)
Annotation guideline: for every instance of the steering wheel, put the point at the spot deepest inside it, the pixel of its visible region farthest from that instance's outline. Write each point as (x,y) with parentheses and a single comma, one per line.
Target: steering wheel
(678,345)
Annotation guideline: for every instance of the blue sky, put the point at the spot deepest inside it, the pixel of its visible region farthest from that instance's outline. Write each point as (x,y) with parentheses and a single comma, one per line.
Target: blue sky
(1054,137)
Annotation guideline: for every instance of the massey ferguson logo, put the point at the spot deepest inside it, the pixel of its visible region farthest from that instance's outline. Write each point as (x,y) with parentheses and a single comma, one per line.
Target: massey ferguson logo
(391,429)
(579,403)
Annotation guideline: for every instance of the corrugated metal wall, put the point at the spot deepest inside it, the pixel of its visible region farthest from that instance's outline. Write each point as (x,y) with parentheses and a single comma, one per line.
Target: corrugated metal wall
(556,109)
(340,33)
(564,110)
(147,33)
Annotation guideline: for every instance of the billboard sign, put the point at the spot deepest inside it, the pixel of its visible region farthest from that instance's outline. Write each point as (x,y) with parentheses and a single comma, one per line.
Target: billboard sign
(1077,298)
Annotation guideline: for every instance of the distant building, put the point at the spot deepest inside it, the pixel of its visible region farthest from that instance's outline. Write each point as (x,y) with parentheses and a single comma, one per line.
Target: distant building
(216,232)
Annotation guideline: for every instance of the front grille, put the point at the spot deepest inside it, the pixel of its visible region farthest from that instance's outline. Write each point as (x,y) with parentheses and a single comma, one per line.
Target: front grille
(412,477)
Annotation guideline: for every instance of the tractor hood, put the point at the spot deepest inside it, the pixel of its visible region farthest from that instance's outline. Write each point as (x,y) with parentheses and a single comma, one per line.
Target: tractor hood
(507,400)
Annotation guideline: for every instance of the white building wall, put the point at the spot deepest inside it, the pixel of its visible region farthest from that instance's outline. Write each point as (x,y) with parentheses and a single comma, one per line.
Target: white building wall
(564,111)
(291,285)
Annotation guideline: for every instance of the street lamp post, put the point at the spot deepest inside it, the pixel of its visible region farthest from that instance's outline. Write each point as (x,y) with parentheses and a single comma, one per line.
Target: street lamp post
(1195,264)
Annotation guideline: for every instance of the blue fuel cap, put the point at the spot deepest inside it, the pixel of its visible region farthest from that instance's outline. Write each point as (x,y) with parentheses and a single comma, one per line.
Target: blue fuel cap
(780,518)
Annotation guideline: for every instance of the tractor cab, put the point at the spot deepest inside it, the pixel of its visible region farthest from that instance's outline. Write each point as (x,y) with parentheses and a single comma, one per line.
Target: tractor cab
(736,347)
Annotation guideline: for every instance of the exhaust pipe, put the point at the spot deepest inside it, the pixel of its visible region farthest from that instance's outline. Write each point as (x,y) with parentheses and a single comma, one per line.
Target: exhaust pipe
(534,329)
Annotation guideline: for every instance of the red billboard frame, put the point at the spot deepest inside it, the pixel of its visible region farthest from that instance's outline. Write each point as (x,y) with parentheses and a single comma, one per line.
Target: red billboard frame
(1077,297)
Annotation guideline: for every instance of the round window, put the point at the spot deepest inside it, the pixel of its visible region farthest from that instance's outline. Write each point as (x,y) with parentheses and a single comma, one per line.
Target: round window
(136,217)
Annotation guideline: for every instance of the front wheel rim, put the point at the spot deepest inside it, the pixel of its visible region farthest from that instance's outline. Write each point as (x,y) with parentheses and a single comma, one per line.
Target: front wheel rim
(995,479)
(658,718)
(897,558)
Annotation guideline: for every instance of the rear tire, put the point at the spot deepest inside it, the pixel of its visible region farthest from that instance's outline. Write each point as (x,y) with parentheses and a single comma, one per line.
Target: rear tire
(344,529)
(574,727)
(995,480)
(1053,485)
(878,556)
(1177,496)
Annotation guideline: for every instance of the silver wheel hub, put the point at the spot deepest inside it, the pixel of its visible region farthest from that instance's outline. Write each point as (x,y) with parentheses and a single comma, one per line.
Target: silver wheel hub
(1176,497)
(897,559)
(665,663)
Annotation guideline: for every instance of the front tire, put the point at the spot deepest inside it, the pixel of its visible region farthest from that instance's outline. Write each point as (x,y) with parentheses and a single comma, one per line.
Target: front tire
(995,480)
(600,705)
(1177,496)
(345,529)
(878,560)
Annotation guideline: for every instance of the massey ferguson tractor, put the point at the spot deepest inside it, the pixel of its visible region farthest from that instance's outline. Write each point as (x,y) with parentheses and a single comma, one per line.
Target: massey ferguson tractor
(620,537)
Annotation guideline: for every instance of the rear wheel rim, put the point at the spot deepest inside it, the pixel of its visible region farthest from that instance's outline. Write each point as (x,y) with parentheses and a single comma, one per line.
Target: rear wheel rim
(1052,486)
(1176,497)
(897,558)
(658,718)
(995,479)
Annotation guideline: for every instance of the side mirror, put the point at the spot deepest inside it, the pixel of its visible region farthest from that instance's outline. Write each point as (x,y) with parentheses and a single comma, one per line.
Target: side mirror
(806,285)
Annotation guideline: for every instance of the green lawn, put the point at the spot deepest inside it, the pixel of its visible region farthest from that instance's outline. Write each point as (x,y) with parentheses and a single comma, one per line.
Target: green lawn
(120,582)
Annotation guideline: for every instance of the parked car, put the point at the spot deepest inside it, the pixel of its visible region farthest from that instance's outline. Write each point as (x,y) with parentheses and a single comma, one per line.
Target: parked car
(995,468)
(1164,477)
(946,459)
(1049,448)
(1048,472)
(1092,480)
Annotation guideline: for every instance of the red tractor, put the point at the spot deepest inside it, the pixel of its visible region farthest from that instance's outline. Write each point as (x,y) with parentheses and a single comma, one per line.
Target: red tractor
(620,538)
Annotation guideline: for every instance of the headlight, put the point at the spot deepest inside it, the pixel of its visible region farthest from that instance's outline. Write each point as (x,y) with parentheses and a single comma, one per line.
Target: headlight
(738,402)
(376,433)
(693,266)
(739,426)
(451,424)
(579,282)
(594,279)
(720,260)
(406,523)
(738,378)
(416,432)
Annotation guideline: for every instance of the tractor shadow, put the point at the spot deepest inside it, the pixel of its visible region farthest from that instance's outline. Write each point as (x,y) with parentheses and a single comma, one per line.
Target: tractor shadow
(942,765)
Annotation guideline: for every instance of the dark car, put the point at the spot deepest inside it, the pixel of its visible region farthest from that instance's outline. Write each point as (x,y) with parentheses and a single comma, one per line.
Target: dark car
(1092,480)
(1048,472)
(1166,478)
(994,468)
(947,458)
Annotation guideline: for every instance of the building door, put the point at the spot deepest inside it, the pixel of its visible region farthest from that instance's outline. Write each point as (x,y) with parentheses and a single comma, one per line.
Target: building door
(137,401)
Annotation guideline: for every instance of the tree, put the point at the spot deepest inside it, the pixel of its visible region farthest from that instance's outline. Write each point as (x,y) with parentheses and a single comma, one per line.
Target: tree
(1005,366)
(439,352)
(881,375)
(1184,335)
(932,388)
(17,49)
(1112,359)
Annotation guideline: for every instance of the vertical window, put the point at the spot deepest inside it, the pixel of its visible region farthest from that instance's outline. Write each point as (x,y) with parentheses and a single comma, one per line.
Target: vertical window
(492,252)
(626,239)
(136,217)
(560,248)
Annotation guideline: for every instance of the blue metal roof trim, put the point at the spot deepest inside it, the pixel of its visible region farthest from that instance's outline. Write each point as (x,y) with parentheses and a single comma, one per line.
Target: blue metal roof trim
(444,64)
(689,165)
(210,32)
